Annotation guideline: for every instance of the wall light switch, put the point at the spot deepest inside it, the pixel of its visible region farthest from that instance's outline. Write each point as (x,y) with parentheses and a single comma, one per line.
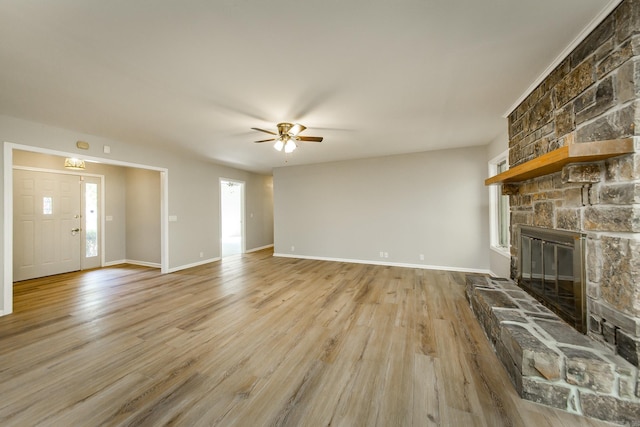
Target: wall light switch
(108,218)
(173,218)
(106,149)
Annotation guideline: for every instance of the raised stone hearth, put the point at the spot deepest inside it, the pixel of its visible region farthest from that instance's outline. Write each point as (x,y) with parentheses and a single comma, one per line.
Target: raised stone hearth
(548,361)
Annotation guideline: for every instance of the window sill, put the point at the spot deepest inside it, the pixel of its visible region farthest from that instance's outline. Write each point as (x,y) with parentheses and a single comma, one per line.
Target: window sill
(502,251)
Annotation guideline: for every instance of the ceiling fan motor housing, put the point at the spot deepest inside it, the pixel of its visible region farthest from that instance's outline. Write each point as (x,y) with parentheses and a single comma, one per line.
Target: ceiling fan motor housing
(283,128)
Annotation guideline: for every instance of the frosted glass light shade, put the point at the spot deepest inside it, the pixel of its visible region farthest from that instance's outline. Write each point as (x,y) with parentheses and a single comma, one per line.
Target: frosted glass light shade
(73,163)
(290,146)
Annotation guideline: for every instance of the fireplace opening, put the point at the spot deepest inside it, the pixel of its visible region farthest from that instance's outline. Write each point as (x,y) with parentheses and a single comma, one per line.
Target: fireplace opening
(551,268)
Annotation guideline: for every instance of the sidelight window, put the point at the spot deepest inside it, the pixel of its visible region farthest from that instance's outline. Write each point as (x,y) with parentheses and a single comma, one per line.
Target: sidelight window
(91,219)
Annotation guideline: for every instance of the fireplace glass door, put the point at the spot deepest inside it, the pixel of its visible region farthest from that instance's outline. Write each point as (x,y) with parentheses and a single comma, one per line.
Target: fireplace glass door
(551,271)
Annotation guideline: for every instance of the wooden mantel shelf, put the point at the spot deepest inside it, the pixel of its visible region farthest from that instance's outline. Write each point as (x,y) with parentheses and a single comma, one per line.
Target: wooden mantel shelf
(582,152)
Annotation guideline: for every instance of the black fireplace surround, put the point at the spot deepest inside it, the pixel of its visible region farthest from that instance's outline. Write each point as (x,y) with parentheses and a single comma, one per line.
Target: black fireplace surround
(551,268)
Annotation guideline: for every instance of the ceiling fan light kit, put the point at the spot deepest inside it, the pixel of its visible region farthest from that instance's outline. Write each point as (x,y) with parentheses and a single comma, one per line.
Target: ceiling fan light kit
(287,136)
(290,146)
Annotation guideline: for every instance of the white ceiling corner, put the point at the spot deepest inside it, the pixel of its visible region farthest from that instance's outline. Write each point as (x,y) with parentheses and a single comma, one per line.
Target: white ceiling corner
(565,52)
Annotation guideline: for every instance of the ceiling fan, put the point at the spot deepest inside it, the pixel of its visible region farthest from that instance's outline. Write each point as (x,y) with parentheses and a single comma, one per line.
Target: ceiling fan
(287,136)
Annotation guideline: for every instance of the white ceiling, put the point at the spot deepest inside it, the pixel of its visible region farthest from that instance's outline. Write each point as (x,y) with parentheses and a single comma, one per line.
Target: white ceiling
(374,77)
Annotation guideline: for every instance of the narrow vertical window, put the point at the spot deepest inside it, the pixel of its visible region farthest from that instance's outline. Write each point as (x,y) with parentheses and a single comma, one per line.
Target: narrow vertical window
(91,219)
(499,207)
(502,211)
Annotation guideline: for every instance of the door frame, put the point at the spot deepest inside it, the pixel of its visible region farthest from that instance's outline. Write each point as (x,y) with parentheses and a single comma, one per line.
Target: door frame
(102,207)
(243,231)
(7,282)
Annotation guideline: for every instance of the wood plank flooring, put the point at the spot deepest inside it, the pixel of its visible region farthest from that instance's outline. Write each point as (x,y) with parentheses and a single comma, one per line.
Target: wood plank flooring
(254,340)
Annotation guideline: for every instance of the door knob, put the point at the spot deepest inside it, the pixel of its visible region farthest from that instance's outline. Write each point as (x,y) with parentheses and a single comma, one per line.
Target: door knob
(74,231)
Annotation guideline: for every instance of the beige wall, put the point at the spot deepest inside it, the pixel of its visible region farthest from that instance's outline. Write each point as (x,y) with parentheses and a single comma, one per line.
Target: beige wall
(431,203)
(143,216)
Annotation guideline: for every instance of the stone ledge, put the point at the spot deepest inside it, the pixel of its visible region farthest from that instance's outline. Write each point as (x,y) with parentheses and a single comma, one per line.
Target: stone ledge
(548,361)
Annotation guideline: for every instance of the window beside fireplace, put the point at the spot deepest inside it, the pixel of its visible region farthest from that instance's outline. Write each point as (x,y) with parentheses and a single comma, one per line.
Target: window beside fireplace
(551,268)
(499,206)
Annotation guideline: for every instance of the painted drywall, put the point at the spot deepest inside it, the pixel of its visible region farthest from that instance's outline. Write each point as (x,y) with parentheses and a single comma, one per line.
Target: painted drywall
(499,263)
(114,197)
(258,211)
(143,216)
(498,145)
(432,204)
(193,193)
(6,293)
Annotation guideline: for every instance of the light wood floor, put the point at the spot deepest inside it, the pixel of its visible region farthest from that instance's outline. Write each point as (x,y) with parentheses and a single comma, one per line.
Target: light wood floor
(254,341)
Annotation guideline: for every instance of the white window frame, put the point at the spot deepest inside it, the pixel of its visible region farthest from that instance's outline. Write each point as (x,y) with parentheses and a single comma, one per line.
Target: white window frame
(495,192)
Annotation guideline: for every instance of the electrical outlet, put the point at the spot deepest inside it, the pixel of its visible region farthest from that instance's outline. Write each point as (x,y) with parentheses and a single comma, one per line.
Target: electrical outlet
(201,254)
(421,257)
(381,254)
(293,248)
(386,254)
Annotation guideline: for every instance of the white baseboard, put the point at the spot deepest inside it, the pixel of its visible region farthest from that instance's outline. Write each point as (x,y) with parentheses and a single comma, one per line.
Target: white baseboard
(132,261)
(195,264)
(260,248)
(144,263)
(390,264)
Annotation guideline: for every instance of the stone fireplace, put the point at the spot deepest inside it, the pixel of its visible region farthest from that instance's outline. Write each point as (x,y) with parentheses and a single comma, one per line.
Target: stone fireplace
(574,171)
(593,95)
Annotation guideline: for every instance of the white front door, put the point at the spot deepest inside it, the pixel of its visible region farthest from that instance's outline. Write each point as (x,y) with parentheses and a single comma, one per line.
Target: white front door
(46,224)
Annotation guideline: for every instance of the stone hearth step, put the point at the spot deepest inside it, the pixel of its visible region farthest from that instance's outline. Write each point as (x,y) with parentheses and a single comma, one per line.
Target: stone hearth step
(548,361)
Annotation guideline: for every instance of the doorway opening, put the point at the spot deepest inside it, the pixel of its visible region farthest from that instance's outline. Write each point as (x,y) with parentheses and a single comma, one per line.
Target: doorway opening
(231,217)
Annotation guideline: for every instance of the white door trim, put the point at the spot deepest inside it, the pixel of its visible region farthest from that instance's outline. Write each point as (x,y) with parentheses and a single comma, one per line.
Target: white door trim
(7,282)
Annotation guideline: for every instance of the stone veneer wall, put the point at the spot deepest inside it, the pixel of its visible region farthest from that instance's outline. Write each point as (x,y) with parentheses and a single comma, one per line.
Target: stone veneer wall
(593,95)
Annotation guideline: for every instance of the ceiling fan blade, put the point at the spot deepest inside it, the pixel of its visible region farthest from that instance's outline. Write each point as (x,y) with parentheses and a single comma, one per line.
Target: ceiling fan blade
(296,129)
(265,140)
(266,131)
(309,138)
